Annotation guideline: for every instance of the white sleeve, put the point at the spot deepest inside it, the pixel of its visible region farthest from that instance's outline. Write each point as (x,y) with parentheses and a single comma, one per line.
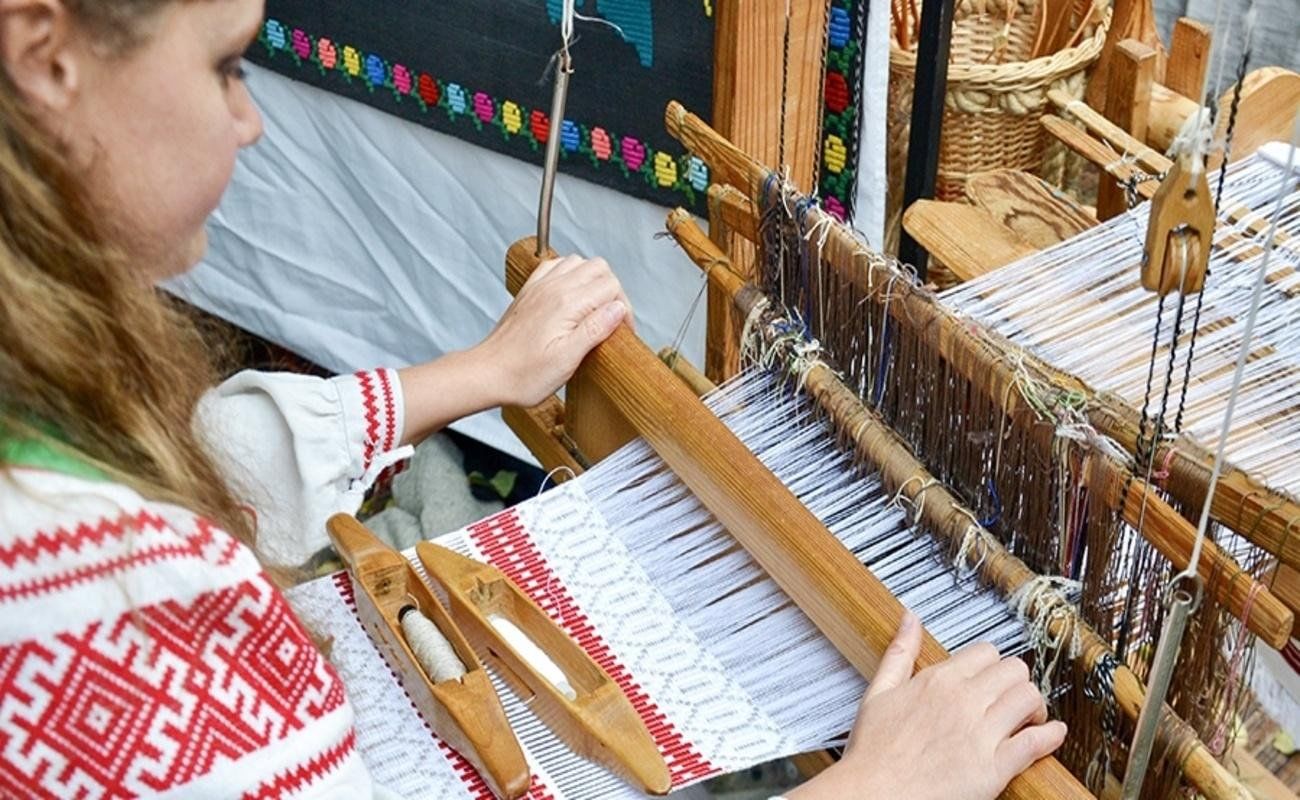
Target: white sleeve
(299,449)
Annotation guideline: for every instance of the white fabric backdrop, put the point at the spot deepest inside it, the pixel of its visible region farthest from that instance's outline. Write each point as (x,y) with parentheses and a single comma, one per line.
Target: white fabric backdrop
(358,239)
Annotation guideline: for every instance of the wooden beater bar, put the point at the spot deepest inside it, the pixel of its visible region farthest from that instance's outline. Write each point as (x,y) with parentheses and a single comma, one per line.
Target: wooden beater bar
(969,352)
(843,599)
(876,443)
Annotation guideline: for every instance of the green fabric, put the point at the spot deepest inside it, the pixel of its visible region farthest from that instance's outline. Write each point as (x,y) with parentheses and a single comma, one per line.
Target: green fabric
(43,455)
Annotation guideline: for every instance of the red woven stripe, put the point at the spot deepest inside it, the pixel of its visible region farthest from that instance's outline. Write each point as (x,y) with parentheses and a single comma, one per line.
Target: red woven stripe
(97,533)
(505,543)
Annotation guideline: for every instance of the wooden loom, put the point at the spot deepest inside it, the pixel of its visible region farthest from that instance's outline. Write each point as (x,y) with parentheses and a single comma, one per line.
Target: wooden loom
(623,392)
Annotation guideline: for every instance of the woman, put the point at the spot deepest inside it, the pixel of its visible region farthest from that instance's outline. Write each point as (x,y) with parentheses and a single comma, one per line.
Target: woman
(143,647)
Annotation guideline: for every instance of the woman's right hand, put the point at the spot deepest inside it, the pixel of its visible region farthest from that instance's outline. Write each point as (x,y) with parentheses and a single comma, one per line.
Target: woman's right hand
(959,730)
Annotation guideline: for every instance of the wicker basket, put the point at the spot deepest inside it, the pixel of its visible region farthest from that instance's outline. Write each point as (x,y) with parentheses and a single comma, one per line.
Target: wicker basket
(995,99)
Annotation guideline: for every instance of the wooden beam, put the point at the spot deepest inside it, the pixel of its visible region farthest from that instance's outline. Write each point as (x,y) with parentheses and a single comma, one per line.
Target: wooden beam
(1189,58)
(1098,152)
(1128,100)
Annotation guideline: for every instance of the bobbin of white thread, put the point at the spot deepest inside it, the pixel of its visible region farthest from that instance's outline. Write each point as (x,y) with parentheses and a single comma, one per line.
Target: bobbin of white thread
(534,655)
(432,650)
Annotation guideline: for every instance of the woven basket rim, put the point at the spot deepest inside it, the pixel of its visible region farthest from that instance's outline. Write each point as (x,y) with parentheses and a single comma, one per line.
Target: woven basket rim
(1013,74)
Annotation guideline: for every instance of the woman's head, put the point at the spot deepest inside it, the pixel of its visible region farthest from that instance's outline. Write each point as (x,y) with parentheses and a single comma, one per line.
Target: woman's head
(119,123)
(145,101)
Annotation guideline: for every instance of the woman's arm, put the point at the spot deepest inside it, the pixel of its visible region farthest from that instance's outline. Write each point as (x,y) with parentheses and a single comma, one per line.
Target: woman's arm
(567,307)
(960,729)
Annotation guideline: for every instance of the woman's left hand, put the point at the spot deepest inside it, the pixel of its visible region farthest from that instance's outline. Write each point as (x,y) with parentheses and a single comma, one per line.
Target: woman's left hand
(568,306)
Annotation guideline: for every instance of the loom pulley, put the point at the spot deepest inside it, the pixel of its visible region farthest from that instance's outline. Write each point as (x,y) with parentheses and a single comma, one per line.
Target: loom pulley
(1180,230)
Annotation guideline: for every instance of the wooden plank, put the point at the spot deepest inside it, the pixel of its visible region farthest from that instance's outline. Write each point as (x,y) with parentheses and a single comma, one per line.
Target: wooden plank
(748,62)
(848,604)
(1189,57)
(1128,100)
(968,240)
(1029,206)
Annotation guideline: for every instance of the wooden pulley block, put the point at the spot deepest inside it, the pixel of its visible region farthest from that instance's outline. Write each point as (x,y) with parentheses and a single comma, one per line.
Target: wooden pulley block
(1179,232)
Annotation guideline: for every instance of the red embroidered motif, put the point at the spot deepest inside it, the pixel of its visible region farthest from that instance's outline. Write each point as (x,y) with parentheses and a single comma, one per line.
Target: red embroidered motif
(159,696)
(307,773)
(52,544)
(196,545)
(390,413)
(370,404)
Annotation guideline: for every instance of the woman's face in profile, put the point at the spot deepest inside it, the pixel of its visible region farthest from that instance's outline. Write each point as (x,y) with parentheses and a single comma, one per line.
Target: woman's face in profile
(151,133)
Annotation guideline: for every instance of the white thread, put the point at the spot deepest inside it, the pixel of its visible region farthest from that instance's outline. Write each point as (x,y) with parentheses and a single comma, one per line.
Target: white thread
(534,655)
(434,653)
(1243,352)
(562,468)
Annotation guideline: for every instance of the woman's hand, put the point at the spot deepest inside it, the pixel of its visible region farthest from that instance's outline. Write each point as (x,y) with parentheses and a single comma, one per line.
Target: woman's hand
(567,307)
(960,730)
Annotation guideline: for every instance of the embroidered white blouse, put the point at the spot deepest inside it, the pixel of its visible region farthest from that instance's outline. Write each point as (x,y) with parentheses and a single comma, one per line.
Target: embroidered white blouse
(144,652)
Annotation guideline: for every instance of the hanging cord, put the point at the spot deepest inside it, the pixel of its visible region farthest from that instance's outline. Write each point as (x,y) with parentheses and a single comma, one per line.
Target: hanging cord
(1218,202)
(1181,600)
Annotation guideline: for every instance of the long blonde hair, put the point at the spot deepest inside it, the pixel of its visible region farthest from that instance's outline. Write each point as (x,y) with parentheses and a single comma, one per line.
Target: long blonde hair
(110,365)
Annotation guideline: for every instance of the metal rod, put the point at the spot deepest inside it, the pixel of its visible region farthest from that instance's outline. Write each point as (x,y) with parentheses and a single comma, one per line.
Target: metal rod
(927,119)
(1181,604)
(562,72)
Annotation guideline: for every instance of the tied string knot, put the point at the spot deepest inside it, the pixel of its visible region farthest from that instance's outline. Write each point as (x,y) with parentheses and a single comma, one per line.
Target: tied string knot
(917,502)
(1161,476)
(1043,604)
(976,543)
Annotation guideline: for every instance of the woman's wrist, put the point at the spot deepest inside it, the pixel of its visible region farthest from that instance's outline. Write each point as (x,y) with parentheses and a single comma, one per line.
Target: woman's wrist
(460,383)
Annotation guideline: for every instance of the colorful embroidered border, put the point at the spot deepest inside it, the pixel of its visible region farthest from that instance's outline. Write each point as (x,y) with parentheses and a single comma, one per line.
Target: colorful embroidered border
(683,173)
(846,34)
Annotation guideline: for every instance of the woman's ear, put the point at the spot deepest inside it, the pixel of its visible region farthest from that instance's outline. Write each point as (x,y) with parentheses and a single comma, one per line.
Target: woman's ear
(37,51)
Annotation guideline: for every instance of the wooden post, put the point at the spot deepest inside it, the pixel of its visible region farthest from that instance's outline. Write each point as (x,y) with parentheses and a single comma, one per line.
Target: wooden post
(1132,19)
(1189,58)
(749,48)
(1128,101)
